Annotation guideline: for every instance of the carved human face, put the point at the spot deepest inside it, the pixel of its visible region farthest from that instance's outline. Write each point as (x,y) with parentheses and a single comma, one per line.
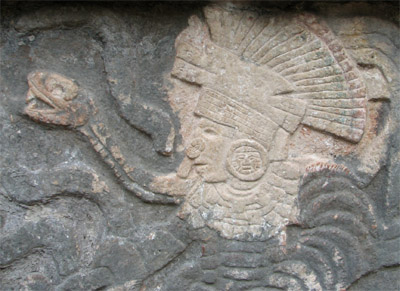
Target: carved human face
(247,160)
(208,149)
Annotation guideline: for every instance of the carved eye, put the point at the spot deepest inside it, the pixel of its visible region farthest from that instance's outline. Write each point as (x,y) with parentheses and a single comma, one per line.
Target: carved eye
(210,131)
(240,157)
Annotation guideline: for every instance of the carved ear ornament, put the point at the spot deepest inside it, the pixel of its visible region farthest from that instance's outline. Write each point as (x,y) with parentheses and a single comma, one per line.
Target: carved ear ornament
(195,148)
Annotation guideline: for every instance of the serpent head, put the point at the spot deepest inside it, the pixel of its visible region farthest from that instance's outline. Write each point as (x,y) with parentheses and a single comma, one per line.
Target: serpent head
(51,99)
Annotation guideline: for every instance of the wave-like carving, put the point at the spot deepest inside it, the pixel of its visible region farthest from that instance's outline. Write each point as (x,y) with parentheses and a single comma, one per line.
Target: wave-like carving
(334,245)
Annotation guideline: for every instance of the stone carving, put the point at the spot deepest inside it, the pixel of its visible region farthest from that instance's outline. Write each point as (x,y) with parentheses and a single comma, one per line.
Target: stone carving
(252,93)
(338,228)
(57,92)
(52,90)
(259,79)
(247,160)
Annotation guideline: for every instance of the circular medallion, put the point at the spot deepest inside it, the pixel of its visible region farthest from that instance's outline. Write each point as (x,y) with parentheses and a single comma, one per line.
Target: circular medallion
(247,160)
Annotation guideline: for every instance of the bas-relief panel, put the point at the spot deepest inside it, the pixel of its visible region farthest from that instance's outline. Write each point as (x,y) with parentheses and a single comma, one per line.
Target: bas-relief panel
(273,110)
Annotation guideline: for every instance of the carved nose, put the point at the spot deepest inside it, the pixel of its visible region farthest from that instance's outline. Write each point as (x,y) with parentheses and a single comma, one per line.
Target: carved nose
(246,162)
(195,148)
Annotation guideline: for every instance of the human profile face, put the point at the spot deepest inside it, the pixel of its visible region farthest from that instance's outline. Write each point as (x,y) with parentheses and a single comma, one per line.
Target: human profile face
(208,149)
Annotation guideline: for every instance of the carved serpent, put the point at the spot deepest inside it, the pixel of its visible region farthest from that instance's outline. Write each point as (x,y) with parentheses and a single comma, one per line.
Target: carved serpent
(291,271)
(56,100)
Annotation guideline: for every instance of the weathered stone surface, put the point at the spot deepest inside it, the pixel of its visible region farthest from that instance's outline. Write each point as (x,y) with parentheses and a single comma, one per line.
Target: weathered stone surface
(208,146)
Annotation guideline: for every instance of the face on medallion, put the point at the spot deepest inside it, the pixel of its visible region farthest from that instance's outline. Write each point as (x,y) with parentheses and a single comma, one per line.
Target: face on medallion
(246,162)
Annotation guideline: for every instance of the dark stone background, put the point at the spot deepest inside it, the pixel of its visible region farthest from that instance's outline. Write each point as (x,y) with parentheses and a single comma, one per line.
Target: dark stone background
(56,232)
